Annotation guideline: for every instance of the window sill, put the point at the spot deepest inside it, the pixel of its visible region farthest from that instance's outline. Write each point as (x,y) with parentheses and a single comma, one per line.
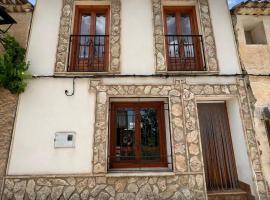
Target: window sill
(81,74)
(188,73)
(137,173)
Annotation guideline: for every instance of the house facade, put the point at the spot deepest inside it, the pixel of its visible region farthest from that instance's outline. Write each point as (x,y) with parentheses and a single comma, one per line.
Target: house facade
(134,100)
(251,23)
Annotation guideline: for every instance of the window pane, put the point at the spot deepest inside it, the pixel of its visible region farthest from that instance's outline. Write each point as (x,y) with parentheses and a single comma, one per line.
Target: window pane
(100,31)
(125,134)
(172,40)
(84,46)
(149,135)
(171,24)
(85,25)
(186,25)
(85,40)
(187,42)
(100,24)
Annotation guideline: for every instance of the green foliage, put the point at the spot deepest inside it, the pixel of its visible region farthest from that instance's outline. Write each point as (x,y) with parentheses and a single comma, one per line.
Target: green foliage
(13,66)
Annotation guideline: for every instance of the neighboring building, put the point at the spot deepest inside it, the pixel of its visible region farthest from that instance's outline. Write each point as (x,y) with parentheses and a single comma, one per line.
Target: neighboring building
(252,28)
(21,12)
(134,99)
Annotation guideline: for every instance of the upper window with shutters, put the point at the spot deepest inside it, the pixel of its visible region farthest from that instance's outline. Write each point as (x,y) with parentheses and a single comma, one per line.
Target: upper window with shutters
(89,43)
(184,45)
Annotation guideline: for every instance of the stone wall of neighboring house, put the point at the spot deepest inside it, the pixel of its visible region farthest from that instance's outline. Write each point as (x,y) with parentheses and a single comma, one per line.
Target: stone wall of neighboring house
(8,104)
(21,12)
(254,57)
(261,90)
(21,30)
(255,61)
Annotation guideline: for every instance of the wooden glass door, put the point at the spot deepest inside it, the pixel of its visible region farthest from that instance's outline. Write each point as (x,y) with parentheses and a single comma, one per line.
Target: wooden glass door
(182,39)
(89,44)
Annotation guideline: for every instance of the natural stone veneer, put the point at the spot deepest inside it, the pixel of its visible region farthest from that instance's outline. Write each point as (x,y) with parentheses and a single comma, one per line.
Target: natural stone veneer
(187,154)
(207,31)
(105,188)
(103,92)
(65,32)
(8,104)
(190,95)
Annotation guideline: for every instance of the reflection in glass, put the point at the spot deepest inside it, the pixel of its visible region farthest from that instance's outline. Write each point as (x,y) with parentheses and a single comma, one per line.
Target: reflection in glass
(149,135)
(187,41)
(186,25)
(172,38)
(125,134)
(85,31)
(100,30)
(85,25)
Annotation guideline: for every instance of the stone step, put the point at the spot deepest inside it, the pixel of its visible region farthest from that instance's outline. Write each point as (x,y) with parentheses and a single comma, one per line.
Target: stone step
(229,195)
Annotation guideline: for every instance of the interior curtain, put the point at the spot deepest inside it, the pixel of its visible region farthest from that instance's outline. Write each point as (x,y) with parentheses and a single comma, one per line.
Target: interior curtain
(219,161)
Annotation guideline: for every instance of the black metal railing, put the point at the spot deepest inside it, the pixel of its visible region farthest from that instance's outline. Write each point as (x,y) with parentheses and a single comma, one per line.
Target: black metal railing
(144,161)
(185,53)
(88,53)
(123,158)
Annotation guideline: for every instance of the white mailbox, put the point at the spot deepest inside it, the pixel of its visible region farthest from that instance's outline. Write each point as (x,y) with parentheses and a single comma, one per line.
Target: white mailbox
(64,139)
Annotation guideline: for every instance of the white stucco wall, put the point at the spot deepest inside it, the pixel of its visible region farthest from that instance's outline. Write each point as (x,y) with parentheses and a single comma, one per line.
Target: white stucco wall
(224,37)
(43,110)
(244,171)
(137,48)
(44,37)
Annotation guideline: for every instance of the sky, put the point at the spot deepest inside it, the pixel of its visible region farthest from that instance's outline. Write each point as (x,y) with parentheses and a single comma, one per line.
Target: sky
(233,2)
(230,2)
(32,1)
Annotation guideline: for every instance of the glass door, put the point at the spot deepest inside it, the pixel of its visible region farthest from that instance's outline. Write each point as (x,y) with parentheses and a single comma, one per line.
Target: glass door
(183,41)
(90,39)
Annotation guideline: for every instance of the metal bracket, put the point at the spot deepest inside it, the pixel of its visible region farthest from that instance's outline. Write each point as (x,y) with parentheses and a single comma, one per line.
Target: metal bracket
(68,93)
(4,31)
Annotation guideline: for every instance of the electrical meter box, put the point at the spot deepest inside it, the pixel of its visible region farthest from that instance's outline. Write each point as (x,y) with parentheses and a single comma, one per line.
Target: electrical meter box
(64,139)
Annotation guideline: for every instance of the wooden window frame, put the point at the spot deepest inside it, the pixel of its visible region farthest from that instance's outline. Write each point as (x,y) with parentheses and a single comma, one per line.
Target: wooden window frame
(178,11)
(162,162)
(93,10)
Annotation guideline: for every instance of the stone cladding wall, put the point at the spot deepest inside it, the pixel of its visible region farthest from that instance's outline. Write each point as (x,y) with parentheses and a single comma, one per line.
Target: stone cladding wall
(104,188)
(8,104)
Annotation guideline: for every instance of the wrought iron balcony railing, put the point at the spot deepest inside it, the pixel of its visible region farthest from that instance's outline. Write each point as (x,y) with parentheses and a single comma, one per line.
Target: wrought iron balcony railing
(185,53)
(88,53)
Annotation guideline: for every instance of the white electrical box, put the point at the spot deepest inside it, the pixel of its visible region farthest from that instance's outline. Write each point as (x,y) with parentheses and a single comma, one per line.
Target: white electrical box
(64,139)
